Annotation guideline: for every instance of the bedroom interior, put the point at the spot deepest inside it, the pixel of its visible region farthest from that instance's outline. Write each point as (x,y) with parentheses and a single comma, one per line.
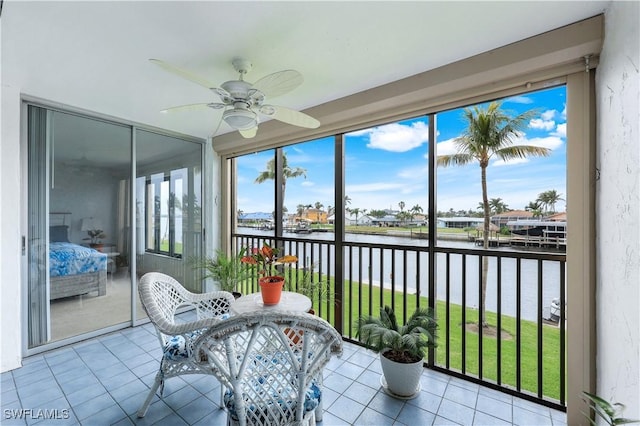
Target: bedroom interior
(84,198)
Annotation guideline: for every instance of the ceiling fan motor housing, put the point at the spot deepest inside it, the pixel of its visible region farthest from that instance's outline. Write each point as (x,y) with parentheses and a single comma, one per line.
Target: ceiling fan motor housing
(240,117)
(238,89)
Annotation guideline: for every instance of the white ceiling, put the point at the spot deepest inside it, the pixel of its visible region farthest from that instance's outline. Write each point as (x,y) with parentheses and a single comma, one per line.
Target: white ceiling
(94,55)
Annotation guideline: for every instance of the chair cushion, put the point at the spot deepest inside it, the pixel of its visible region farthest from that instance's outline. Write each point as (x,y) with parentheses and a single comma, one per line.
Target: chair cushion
(176,349)
(283,397)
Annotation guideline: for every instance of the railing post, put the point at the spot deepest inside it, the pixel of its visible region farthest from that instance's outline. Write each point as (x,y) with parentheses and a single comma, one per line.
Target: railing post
(433,224)
(338,225)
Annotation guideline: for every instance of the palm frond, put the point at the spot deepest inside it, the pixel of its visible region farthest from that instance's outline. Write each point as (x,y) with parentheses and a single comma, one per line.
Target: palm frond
(522,151)
(414,337)
(606,410)
(455,160)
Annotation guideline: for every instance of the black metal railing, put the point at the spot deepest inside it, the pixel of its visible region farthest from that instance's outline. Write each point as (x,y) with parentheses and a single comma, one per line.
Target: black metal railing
(522,348)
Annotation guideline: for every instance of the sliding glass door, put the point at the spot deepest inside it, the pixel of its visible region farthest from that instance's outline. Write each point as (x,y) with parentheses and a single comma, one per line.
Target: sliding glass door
(83,247)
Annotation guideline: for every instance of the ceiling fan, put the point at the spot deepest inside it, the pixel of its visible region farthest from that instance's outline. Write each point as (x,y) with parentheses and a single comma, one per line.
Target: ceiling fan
(242,102)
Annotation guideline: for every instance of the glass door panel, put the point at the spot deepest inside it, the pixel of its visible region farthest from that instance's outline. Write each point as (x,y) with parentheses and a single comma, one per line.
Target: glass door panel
(168,207)
(88,191)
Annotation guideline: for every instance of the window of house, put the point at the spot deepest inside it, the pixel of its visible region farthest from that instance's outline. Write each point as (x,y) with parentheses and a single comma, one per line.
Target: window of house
(164,212)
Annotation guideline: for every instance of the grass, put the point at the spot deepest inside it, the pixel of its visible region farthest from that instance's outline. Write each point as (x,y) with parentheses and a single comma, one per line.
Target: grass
(367,300)
(358,301)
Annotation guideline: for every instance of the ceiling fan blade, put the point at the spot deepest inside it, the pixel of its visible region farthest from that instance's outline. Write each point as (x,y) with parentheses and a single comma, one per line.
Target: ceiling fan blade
(182,73)
(278,83)
(188,107)
(290,116)
(248,134)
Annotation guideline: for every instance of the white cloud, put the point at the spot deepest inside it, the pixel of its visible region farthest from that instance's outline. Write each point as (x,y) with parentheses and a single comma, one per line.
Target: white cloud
(397,137)
(307,183)
(550,142)
(447,147)
(561,131)
(358,132)
(548,114)
(519,100)
(563,114)
(542,124)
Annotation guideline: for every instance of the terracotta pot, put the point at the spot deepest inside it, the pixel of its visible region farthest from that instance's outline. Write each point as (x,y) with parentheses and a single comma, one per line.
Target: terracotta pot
(271,289)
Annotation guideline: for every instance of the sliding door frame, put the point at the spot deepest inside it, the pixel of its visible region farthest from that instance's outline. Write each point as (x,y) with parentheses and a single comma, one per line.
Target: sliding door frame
(134,126)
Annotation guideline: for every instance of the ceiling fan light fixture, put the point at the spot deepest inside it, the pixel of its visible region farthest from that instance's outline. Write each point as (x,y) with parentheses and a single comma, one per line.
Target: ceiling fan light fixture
(240,119)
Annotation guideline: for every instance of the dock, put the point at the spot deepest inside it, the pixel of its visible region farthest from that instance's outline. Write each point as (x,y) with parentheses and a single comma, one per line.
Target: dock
(494,242)
(559,243)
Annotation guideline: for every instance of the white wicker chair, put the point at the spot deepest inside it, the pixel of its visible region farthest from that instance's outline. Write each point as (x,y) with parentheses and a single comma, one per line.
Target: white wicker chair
(271,365)
(161,295)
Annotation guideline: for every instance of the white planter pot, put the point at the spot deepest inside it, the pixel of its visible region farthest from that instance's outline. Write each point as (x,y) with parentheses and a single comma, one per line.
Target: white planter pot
(402,380)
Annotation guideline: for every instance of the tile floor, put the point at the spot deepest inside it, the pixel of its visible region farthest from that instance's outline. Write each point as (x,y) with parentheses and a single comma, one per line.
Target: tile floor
(103,381)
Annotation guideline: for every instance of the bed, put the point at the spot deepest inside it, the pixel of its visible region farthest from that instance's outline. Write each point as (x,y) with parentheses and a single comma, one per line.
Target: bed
(74,269)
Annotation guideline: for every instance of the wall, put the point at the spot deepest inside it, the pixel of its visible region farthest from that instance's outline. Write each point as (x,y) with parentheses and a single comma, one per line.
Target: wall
(86,192)
(618,209)
(10,190)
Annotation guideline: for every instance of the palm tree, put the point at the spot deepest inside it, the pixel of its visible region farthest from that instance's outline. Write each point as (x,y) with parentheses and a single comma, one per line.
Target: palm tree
(287,173)
(490,133)
(356,212)
(318,206)
(497,206)
(415,210)
(378,214)
(401,205)
(535,207)
(549,199)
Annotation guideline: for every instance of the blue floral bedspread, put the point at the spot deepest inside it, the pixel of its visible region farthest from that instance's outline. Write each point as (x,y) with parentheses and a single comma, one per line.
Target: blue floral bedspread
(72,259)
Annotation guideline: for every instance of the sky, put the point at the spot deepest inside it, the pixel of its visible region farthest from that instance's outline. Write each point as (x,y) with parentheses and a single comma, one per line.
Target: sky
(387,164)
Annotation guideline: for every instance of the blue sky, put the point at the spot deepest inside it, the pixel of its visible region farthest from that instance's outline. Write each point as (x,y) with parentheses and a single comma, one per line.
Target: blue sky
(387,164)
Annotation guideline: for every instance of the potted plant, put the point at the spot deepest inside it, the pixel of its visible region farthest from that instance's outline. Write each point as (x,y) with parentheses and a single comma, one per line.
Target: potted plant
(265,259)
(609,412)
(228,271)
(402,348)
(95,238)
(315,289)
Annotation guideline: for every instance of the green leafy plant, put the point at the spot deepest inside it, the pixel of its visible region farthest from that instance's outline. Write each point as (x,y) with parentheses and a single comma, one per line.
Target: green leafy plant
(228,271)
(407,343)
(608,411)
(309,285)
(95,236)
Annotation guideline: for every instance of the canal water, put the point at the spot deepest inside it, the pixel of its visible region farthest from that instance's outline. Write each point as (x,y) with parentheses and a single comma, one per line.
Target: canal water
(388,268)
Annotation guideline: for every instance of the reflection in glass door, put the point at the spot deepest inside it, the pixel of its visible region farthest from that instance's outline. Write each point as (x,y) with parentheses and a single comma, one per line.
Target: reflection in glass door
(79,200)
(81,242)
(168,212)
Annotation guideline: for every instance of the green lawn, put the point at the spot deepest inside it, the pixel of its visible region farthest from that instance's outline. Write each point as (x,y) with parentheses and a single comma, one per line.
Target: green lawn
(356,300)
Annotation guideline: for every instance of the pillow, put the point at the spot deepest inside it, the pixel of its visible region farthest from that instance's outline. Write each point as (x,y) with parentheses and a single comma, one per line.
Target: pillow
(59,234)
